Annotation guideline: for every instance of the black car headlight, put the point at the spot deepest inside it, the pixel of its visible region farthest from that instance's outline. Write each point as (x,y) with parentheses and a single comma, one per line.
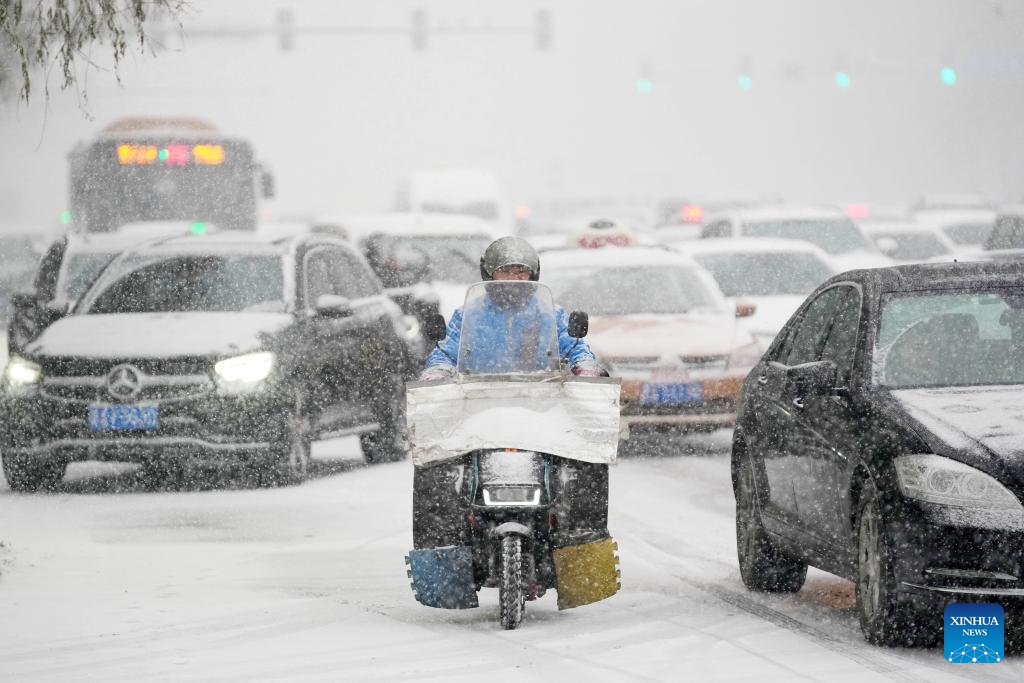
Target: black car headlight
(966,496)
(21,376)
(245,373)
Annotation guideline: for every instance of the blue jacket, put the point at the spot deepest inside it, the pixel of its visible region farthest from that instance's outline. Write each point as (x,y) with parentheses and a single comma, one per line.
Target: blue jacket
(500,334)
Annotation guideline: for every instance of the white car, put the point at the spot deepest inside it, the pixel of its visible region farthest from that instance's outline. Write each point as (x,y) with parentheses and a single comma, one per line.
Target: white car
(968,228)
(772,274)
(908,241)
(824,226)
(659,322)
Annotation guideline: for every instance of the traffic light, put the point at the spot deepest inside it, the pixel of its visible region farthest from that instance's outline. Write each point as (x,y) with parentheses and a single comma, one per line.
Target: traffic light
(644,86)
(948,76)
(745,82)
(843,79)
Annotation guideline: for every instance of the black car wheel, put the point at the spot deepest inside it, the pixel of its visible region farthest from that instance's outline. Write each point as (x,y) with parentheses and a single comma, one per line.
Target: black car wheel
(763,565)
(27,474)
(886,617)
(388,443)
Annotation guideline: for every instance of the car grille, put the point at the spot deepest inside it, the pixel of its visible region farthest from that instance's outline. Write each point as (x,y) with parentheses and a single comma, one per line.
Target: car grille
(84,380)
(154,388)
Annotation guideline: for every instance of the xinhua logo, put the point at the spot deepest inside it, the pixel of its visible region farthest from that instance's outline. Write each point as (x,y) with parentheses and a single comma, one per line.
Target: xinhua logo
(973,633)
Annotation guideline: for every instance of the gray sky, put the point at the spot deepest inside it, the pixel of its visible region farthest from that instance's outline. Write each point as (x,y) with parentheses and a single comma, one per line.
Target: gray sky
(341,117)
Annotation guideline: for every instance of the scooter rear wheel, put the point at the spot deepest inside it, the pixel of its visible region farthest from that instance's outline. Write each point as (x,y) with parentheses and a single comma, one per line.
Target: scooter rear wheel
(510,590)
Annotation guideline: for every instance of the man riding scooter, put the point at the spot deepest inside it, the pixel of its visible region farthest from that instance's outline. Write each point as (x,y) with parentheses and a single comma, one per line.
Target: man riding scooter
(512,429)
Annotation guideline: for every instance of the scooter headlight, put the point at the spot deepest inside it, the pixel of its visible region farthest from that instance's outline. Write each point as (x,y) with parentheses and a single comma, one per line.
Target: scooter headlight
(512,496)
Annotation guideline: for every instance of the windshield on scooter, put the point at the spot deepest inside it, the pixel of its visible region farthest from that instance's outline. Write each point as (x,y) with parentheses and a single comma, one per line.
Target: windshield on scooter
(508,326)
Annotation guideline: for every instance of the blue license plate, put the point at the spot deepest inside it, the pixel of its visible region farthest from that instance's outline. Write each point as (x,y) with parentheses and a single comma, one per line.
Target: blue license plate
(671,393)
(123,417)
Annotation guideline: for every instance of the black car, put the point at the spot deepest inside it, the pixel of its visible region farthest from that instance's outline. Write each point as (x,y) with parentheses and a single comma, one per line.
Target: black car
(223,346)
(881,438)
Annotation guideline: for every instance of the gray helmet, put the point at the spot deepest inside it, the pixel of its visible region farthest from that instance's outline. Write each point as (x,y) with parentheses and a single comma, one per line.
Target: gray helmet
(509,251)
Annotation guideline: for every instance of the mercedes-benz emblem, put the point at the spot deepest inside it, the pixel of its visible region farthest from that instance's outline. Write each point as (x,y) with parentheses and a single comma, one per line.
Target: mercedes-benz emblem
(124,381)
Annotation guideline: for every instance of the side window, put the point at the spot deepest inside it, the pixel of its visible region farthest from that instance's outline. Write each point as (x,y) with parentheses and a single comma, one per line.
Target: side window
(357,280)
(805,345)
(717,229)
(331,270)
(841,345)
(321,276)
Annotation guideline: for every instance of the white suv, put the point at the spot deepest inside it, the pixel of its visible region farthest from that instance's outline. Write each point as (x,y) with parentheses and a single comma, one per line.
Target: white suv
(824,226)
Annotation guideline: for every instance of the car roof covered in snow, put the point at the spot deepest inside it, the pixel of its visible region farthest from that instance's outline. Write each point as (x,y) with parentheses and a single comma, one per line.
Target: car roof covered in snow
(933,276)
(613,257)
(747,245)
(782,212)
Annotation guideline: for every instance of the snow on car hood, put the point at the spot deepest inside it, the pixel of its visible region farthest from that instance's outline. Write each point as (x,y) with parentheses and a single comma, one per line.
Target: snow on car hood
(121,335)
(657,335)
(969,418)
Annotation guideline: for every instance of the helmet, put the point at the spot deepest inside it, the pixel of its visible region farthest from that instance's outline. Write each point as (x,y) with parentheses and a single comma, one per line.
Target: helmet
(509,251)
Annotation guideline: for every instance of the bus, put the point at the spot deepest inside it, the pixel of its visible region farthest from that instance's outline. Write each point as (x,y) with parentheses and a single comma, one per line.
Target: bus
(165,169)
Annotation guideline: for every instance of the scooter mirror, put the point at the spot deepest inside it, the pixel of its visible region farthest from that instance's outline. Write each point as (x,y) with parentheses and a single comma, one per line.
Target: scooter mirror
(579,324)
(434,327)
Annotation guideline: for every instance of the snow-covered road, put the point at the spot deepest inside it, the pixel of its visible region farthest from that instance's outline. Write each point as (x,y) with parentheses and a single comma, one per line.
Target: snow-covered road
(104,581)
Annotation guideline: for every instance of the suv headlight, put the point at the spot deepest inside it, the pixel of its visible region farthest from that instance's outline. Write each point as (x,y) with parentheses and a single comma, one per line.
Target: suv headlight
(244,373)
(967,496)
(21,374)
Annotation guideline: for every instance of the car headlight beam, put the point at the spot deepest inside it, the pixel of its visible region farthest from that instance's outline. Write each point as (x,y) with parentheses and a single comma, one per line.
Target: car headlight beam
(244,372)
(21,373)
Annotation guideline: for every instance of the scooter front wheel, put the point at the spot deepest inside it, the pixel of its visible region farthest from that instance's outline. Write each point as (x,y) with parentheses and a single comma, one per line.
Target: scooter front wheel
(510,596)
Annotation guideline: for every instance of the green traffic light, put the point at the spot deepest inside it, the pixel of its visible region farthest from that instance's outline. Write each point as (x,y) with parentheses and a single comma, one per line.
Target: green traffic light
(198,228)
(745,82)
(65,217)
(644,86)
(843,79)
(948,75)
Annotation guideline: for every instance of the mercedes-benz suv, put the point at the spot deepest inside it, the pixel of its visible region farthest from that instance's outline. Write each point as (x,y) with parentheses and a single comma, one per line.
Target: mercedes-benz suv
(219,347)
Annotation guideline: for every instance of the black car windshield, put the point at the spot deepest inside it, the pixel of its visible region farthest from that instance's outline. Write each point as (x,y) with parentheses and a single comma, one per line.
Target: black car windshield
(629,290)
(835,236)
(937,339)
(765,274)
(196,283)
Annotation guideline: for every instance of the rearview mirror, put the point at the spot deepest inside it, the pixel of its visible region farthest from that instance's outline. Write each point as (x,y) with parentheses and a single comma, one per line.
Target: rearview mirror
(579,324)
(813,379)
(267,184)
(434,327)
(333,306)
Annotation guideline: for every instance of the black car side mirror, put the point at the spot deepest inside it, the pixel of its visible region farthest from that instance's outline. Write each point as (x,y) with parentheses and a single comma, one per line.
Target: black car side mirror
(579,324)
(333,306)
(434,327)
(814,379)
